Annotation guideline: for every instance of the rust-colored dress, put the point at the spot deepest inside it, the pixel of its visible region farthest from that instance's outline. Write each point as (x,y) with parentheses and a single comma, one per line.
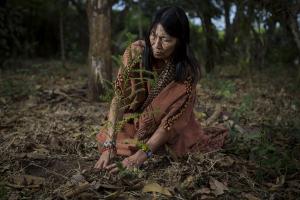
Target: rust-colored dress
(170,111)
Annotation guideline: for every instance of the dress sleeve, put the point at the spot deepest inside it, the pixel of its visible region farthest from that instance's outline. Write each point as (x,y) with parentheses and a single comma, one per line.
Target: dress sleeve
(129,84)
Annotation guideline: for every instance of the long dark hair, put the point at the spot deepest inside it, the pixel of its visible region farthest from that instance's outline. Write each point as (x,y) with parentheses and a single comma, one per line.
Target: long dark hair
(175,22)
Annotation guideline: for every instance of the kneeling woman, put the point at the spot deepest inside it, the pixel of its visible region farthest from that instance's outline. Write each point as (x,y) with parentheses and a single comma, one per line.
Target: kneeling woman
(156,112)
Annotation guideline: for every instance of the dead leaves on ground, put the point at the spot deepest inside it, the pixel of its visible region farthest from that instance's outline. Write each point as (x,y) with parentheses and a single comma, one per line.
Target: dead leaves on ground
(156,188)
(25,181)
(58,122)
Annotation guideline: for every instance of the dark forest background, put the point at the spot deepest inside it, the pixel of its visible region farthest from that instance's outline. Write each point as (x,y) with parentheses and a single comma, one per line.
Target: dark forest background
(58,59)
(254,34)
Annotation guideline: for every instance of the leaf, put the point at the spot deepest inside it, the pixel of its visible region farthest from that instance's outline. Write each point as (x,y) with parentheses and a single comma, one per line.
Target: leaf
(279,183)
(204,190)
(27,181)
(155,187)
(97,185)
(217,187)
(226,161)
(38,153)
(75,190)
(200,192)
(250,196)
(188,182)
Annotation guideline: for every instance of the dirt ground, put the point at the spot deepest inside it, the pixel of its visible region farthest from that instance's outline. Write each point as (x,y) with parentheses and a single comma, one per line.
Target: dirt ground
(48,147)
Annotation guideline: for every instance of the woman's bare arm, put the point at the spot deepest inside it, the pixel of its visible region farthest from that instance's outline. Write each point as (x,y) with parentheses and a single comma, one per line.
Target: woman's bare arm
(158,139)
(115,114)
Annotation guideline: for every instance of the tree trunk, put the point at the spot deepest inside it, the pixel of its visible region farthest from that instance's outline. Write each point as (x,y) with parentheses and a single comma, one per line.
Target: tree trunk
(227,22)
(99,57)
(61,36)
(210,47)
(295,31)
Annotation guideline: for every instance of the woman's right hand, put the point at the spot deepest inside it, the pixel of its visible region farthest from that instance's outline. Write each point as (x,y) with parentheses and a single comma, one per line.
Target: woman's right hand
(105,159)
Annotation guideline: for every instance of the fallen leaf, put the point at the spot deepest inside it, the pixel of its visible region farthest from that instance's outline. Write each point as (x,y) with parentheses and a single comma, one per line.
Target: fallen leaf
(188,182)
(3,100)
(155,187)
(250,196)
(226,161)
(205,197)
(38,153)
(200,192)
(75,190)
(97,185)
(217,187)
(279,183)
(204,190)
(27,181)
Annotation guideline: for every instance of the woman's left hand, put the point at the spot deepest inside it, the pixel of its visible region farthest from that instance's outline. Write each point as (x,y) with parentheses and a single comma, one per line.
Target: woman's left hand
(136,160)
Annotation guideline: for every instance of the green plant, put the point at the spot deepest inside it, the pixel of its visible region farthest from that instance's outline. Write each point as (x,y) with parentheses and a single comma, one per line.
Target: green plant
(245,106)
(14,88)
(271,158)
(109,92)
(226,88)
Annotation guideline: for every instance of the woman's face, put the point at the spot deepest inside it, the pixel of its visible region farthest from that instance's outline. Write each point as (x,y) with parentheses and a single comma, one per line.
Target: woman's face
(162,44)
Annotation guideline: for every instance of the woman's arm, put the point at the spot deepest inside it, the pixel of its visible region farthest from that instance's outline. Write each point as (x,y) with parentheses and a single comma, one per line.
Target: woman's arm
(159,138)
(115,114)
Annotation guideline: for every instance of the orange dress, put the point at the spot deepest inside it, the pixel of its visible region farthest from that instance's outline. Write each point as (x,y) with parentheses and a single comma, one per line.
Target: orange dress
(171,110)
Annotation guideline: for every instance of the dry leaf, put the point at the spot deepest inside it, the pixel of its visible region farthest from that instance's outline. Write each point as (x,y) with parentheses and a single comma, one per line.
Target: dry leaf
(279,183)
(75,190)
(250,196)
(226,162)
(204,190)
(188,182)
(201,192)
(27,181)
(217,187)
(154,187)
(38,154)
(205,197)
(97,185)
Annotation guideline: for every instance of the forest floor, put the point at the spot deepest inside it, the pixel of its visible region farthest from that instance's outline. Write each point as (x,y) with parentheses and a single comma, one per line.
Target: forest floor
(48,147)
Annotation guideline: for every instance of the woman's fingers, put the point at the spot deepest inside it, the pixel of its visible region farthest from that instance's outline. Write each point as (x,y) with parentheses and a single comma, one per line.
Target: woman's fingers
(99,164)
(114,170)
(111,166)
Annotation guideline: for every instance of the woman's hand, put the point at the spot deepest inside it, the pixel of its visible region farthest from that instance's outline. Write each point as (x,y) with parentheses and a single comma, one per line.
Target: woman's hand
(104,159)
(136,160)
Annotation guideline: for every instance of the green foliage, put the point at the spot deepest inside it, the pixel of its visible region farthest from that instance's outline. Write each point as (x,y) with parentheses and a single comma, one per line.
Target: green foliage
(12,88)
(109,92)
(272,158)
(224,88)
(117,60)
(130,173)
(245,107)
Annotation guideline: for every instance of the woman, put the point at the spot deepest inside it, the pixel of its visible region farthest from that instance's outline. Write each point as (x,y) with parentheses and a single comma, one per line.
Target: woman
(164,110)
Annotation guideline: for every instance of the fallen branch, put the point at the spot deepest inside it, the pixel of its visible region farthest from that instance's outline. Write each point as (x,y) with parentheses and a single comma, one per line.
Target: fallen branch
(214,116)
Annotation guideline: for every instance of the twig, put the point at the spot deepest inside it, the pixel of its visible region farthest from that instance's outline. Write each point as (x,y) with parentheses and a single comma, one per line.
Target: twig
(50,171)
(214,116)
